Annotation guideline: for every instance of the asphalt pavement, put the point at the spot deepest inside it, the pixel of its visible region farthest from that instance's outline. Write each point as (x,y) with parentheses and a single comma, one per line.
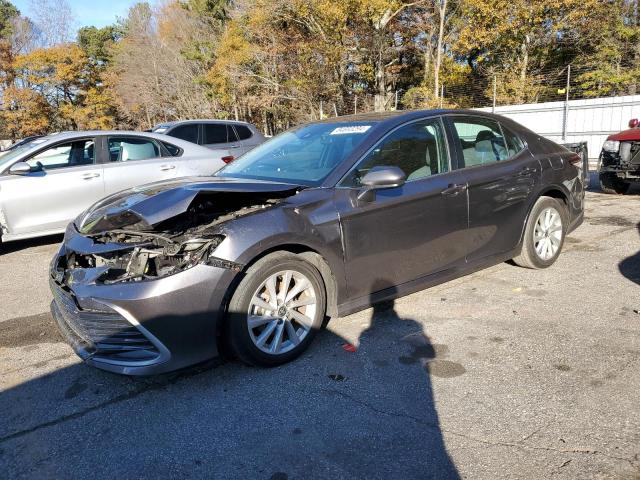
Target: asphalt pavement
(506,373)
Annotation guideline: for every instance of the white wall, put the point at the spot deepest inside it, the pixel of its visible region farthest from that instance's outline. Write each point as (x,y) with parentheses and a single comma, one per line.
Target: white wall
(591,120)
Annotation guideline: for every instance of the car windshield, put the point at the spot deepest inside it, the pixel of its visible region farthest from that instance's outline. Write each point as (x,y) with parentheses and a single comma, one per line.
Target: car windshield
(11,155)
(304,156)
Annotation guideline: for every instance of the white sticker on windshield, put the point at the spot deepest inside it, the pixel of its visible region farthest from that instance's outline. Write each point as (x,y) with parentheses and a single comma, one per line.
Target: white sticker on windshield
(349,130)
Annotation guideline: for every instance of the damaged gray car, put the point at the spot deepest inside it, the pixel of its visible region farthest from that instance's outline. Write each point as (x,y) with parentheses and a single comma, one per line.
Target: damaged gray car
(321,221)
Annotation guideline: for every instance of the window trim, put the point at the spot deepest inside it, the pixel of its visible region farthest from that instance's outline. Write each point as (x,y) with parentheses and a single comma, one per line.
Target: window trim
(456,139)
(438,118)
(142,137)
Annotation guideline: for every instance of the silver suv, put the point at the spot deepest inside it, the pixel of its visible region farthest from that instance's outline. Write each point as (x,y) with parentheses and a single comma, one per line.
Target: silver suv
(237,137)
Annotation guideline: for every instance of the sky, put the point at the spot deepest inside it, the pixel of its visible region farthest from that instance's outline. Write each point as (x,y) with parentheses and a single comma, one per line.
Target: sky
(88,12)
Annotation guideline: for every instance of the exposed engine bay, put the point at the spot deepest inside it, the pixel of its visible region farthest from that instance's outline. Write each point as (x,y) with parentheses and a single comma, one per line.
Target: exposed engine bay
(139,251)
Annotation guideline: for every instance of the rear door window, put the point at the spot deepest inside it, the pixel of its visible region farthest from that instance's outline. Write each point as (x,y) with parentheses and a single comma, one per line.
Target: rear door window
(188,132)
(215,133)
(132,149)
(480,140)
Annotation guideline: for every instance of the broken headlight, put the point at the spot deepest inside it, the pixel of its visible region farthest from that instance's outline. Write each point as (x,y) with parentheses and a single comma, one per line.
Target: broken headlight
(148,261)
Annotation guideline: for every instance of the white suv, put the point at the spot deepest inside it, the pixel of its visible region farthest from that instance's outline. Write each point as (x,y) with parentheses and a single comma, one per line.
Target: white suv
(237,137)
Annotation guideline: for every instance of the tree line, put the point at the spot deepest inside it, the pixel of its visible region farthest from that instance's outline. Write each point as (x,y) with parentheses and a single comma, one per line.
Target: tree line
(277,63)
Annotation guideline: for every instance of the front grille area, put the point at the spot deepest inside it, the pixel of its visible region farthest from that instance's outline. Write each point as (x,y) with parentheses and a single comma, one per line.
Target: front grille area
(112,336)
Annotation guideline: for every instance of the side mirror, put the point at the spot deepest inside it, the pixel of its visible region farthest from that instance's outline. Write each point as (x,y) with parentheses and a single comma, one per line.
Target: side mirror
(378,178)
(20,168)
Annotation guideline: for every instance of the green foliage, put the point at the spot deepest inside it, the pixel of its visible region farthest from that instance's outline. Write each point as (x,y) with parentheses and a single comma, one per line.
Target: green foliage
(97,42)
(8,12)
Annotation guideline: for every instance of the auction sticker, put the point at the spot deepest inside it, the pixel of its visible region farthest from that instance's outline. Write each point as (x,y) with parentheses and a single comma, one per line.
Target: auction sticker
(350,130)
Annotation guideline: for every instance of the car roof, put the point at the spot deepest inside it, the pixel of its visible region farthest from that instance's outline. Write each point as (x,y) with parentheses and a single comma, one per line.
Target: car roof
(385,121)
(200,120)
(189,147)
(401,116)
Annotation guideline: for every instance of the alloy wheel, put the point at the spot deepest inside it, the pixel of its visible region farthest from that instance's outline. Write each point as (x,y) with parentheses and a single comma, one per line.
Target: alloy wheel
(281,312)
(547,234)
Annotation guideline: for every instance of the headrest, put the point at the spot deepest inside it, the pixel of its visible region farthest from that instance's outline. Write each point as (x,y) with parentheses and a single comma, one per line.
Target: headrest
(485,135)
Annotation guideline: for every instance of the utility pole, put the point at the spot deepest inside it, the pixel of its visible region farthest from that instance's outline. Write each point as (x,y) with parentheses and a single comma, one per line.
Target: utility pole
(355,104)
(441,95)
(565,121)
(335,109)
(396,104)
(321,112)
(493,109)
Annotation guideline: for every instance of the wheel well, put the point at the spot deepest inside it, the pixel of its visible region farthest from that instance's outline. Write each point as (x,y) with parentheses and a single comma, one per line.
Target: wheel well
(555,193)
(315,259)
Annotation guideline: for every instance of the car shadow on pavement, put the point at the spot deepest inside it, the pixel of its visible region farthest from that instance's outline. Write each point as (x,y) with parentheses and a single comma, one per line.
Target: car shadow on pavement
(630,266)
(334,412)
(14,246)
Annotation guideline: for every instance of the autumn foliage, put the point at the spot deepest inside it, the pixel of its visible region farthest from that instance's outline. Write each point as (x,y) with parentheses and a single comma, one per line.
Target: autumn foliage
(280,62)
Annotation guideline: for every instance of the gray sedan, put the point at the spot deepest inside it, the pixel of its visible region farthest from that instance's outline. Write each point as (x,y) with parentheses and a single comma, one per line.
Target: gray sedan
(47,182)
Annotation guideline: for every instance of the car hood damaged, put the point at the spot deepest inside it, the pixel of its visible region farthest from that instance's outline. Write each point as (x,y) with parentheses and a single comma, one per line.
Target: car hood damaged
(143,208)
(163,228)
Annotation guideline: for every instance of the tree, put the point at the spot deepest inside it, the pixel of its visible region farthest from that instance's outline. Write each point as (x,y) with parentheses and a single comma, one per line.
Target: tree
(97,43)
(8,13)
(54,21)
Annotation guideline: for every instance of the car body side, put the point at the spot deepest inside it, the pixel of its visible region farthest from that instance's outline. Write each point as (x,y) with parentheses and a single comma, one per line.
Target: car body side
(314,223)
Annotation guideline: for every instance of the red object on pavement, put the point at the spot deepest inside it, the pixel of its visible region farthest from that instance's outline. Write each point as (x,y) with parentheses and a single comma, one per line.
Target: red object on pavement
(349,348)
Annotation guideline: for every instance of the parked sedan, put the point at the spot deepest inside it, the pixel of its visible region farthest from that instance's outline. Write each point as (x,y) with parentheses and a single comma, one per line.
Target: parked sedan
(48,181)
(323,220)
(237,137)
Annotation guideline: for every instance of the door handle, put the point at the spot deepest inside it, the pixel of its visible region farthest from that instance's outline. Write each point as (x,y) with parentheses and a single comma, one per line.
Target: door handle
(234,146)
(164,168)
(89,176)
(454,189)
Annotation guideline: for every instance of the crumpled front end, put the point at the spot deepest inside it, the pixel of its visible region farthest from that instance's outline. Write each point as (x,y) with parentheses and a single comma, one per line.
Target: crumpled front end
(137,323)
(137,285)
(623,163)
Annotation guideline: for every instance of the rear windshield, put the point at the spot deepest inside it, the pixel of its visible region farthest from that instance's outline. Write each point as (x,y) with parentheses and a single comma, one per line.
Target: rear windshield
(304,156)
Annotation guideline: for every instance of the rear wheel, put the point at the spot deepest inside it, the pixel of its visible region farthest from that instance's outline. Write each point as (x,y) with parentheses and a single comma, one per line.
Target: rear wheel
(610,183)
(544,234)
(276,310)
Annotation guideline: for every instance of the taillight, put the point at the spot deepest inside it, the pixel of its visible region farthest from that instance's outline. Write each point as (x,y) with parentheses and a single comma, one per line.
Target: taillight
(228,159)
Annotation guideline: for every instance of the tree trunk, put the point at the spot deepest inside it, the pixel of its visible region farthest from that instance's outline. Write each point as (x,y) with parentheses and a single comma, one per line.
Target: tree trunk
(380,79)
(442,10)
(524,65)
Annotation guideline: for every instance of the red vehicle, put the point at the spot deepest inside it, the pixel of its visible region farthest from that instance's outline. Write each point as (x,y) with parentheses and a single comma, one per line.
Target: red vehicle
(619,162)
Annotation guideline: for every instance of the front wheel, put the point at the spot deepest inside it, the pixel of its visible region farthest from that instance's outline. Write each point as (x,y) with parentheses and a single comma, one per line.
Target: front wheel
(277,309)
(610,183)
(544,234)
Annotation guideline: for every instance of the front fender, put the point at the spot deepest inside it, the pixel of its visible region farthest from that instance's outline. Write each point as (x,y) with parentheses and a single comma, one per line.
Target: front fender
(292,226)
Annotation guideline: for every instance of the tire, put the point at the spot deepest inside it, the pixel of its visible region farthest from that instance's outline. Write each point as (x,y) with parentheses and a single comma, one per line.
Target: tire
(296,325)
(537,235)
(610,183)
